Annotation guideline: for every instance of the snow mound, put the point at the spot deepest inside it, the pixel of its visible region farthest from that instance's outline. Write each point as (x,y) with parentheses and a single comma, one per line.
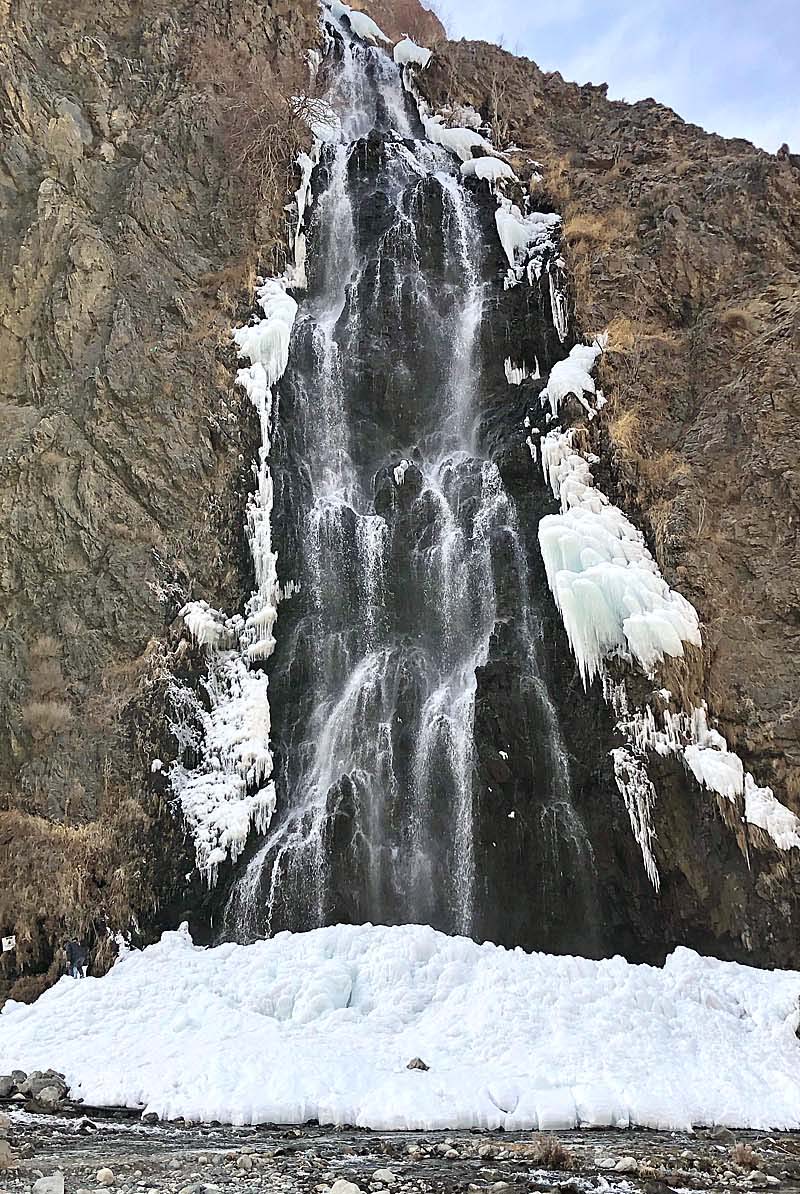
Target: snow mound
(323,1024)
(407,52)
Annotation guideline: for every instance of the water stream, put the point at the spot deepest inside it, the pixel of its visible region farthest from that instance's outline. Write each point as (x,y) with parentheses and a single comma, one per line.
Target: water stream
(396,525)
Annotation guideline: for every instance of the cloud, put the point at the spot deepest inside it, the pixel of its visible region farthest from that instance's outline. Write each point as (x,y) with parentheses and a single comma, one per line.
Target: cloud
(728,65)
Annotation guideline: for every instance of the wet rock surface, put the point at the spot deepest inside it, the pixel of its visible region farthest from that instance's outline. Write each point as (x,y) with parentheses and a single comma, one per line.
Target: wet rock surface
(118,1152)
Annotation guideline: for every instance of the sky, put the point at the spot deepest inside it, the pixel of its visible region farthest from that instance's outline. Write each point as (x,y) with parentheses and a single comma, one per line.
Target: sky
(731,66)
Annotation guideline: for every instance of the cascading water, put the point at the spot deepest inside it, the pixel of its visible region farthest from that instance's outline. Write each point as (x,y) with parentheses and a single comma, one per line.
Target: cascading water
(395,524)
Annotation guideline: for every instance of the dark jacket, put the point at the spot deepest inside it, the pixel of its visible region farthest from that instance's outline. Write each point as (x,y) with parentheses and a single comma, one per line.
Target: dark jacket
(76,954)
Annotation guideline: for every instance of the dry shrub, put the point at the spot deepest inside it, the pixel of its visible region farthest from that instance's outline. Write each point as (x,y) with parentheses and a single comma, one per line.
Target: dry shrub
(549,1152)
(626,430)
(59,880)
(45,647)
(662,471)
(557,182)
(266,111)
(45,677)
(585,232)
(737,319)
(42,719)
(746,1156)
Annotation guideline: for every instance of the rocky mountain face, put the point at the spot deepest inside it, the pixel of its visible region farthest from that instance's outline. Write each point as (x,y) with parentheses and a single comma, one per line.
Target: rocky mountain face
(133,222)
(146,158)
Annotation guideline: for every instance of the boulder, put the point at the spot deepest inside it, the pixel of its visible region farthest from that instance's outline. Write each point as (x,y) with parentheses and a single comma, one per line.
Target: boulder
(50,1185)
(51,1096)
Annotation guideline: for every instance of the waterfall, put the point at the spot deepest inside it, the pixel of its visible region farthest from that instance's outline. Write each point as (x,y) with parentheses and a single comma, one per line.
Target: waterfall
(403,544)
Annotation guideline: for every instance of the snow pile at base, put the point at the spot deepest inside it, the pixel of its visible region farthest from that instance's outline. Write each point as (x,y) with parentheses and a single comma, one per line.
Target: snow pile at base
(407,52)
(322,1026)
(611,596)
(362,25)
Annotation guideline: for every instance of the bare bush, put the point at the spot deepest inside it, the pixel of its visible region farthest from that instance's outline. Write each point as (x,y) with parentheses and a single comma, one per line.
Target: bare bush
(549,1152)
(266,113)
(45,718)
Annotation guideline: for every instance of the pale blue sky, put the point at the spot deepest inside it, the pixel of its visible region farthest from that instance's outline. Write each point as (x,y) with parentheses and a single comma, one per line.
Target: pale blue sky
(732,66)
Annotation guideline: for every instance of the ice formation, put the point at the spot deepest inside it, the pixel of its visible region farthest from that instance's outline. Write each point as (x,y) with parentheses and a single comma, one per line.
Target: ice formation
(525,239)
(611,596)
(707,756)
(407,53)
(639,795)
(362,25)
(321,1025)
(574,376)
(488,169)
(460,141)
(229,789)
(517,374)
(614,602)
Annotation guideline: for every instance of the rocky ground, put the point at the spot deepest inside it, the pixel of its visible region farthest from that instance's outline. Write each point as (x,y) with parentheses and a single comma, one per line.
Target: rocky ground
(92,1151)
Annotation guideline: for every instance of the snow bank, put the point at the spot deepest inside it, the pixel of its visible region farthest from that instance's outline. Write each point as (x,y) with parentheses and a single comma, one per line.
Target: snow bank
(407,52)
(322,1025)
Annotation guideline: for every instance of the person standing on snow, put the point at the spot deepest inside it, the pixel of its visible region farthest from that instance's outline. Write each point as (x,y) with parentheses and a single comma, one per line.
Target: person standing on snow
(76,959)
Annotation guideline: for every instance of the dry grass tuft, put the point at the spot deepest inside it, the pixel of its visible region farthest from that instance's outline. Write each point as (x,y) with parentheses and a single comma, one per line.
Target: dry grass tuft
(43,719)
(663,471)
(626,429)
(746,1156)
(551,1153)
(622,334)
(585,232)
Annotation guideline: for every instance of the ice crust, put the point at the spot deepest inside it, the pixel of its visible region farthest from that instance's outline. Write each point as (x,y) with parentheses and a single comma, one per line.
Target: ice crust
(322,1025)
(488,169)
(407,53)
(362,25)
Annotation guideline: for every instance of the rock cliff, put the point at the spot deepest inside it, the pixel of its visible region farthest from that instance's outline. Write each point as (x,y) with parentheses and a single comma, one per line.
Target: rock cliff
(146,159)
